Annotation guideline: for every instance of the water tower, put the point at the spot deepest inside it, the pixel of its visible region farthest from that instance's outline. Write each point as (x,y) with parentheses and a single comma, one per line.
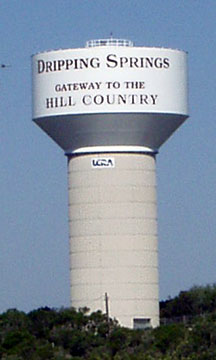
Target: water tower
(110,106)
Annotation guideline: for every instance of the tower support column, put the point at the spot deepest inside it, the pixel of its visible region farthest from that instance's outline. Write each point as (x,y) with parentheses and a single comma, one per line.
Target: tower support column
(113,235)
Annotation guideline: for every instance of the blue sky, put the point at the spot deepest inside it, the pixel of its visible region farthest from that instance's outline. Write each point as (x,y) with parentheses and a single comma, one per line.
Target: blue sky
(34,249)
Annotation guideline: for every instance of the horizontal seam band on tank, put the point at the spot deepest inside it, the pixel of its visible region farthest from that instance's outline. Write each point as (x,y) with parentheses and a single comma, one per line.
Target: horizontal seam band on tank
(113,299)
(114,282)
(115,267)
(121,149)
(101,217)
(117,299)
(116,170)
(142,314)
(84,240)
(111,186)
(111,251)
(99,235)
(124,185)
(117,234)
(133,316)
(120,233)
(72,155)
(110,218)
(111,202)
(152,251)
(100,198)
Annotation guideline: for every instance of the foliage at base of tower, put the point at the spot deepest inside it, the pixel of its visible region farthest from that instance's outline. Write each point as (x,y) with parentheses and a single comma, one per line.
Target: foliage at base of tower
(69,334)
(196,301)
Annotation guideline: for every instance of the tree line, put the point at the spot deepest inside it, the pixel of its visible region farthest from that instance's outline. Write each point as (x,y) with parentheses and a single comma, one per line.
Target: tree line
(66,333)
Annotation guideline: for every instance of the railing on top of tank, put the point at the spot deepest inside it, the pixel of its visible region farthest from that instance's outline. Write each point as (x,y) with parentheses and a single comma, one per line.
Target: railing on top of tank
(109,42)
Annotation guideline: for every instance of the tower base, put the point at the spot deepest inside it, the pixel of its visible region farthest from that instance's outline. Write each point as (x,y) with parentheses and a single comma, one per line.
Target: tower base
(113,236)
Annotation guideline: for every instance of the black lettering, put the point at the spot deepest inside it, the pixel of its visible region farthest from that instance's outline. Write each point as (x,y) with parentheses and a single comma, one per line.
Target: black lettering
(61,63)
(122,99)
(123,61)
(166,63)
(133,62)
(48,66)
(95,63)
(62,102)
(149,62)
(81,63)
(56,102)
(113,62)
(154,98)
(49,103)
(144,99)
(103,162)
(98,99)
(58,88)
(158,63)
(133,98)
(87,100)
(110,99)
(54,65)
(71,101)
(41,66)
(69,63)
(108,83)
(116,85)
(83,86)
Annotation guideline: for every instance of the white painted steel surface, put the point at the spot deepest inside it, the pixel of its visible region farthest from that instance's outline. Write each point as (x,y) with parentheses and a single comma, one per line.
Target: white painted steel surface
(110,96)
(113,236)
(110,79)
